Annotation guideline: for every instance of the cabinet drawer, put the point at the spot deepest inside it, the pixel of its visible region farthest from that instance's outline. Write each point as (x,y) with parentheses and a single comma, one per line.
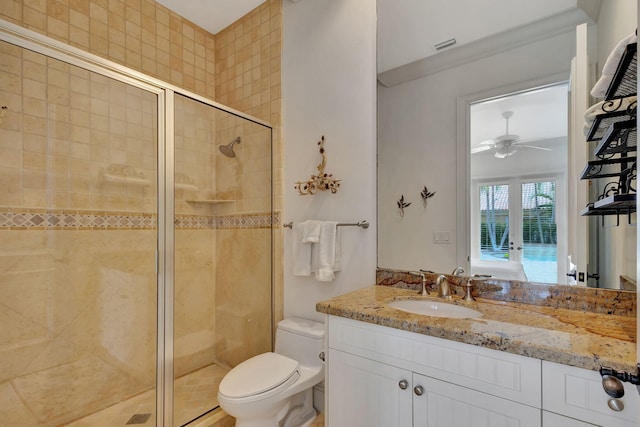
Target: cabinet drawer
(501,374)
(578,393)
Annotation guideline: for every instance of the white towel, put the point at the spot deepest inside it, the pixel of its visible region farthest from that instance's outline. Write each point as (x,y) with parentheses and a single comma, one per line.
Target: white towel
(326,255)
(311,231)
(301,251)
(610,66)
(604,107)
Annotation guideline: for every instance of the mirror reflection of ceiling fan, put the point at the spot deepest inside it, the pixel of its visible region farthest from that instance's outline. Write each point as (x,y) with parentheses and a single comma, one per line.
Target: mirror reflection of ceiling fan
(505,145)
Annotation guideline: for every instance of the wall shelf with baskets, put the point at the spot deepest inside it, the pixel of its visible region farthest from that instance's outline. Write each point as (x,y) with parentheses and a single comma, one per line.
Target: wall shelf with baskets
(614,128)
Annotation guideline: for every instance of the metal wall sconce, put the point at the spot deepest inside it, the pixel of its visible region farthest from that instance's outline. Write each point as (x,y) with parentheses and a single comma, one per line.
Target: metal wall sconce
(426,194)
(323,181)
(402,204)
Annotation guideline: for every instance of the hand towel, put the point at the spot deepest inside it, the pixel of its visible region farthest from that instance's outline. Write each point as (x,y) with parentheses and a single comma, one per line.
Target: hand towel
(311,231)
(301,251)
(327,253)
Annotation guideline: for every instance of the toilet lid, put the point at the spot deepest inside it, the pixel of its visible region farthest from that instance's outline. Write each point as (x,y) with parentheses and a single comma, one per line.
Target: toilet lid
(260,374)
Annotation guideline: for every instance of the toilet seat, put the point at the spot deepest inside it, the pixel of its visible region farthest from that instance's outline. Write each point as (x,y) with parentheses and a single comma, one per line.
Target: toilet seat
(260,377)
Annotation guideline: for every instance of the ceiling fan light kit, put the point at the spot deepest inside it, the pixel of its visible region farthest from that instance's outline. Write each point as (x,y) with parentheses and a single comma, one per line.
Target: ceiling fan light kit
(504,145)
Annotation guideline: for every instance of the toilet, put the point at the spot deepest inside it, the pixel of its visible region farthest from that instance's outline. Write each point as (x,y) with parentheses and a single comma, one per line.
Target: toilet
(276,389)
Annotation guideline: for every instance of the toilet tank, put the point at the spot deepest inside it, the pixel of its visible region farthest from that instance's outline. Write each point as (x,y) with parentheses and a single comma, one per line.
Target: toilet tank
(300,339)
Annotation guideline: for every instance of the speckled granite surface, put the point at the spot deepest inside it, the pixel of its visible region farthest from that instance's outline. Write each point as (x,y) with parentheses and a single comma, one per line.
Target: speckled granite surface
(604,301)
(573,337)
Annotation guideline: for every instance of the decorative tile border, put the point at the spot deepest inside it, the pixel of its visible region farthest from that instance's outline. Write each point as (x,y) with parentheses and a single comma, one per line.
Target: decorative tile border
(60,219)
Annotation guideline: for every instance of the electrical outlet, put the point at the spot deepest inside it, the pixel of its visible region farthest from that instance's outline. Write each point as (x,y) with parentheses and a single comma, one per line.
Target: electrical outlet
(441,237)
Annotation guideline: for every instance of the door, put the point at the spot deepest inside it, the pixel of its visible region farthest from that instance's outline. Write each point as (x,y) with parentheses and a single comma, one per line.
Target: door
(79,230)
(518,222)
(364,393)
(439,403)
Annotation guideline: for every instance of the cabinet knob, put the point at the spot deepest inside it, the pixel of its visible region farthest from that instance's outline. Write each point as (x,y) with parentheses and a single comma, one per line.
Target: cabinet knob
(615,405)
(403,384)
(418,390)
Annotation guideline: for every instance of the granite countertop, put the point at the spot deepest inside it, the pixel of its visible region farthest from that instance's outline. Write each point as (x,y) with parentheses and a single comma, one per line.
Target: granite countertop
(571,337)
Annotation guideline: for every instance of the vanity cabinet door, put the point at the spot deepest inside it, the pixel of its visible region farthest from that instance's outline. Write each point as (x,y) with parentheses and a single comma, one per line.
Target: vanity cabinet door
(440,403)
(549,419)
(365,393)
(578,393)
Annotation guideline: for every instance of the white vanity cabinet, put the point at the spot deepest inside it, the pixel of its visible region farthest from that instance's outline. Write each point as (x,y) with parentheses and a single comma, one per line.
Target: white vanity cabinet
(379,376)
(385,377)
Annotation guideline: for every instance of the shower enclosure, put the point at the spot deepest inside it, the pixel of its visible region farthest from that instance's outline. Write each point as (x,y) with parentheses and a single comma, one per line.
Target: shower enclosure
(135,256)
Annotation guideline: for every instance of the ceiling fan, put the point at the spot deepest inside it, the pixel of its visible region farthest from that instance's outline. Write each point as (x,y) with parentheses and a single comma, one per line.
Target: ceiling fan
(504,145)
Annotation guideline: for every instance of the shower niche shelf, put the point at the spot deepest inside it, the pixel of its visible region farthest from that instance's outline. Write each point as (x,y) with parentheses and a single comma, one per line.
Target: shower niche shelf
(185,182)
(209,201)
(123,174)
(190,187)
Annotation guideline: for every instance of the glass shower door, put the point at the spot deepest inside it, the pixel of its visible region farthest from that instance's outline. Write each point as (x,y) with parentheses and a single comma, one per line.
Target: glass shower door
(78,233)
(223,256)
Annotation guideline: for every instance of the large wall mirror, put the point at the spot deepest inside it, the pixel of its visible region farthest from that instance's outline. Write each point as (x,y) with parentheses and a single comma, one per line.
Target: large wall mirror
(473,105)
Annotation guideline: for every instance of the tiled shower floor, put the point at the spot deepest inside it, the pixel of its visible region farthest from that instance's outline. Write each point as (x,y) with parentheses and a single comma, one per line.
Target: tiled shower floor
(194,394)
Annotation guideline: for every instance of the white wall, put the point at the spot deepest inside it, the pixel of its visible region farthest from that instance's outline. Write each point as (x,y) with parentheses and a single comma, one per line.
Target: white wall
(417,147)
(329,88)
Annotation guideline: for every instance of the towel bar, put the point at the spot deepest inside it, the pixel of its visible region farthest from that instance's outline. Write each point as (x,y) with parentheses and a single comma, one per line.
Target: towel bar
(361,224)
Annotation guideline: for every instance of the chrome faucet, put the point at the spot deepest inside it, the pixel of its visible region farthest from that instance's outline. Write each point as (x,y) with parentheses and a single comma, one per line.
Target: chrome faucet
(444,289)
(457,271)
(424,282)
(467,284)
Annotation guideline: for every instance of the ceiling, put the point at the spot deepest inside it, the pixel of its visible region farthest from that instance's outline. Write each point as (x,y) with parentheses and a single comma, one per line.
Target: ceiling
(212,15)
(537,115)
(409,29)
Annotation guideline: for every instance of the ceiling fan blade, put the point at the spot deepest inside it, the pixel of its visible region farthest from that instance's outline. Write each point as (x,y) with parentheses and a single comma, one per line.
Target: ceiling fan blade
(480,149)
(533,146)
(488,142)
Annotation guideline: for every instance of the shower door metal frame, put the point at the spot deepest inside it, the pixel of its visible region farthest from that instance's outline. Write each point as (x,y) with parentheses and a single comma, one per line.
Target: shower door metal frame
(165,267)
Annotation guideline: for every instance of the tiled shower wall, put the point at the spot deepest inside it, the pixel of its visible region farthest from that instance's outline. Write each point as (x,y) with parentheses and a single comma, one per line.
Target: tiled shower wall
(239,67)
(140,34)
(65,131)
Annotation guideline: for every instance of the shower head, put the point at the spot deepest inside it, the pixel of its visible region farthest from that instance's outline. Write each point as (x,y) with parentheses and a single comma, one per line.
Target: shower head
(227,150)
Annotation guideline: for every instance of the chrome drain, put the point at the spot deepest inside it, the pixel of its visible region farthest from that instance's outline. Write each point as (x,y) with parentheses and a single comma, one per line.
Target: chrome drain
(139,419)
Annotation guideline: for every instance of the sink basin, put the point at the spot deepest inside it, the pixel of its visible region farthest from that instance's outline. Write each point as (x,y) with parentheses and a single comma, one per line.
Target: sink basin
(434,308)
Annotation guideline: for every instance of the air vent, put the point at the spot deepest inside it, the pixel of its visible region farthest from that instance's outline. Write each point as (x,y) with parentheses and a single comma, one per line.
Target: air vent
(445,44)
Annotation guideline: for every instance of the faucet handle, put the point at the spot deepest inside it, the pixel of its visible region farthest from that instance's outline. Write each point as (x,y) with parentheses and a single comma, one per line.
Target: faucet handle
(467,295)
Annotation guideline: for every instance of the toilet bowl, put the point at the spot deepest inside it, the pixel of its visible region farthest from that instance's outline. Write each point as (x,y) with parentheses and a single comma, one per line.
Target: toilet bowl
(275,389)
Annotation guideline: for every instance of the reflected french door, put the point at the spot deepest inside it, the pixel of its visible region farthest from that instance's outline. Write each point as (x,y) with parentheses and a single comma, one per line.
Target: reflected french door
(521,222)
